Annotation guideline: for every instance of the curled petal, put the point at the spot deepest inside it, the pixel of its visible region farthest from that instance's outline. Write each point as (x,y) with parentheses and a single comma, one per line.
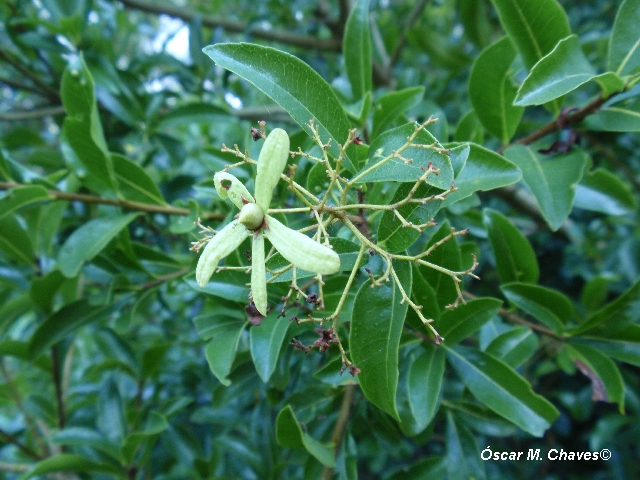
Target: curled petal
(300,250)
(229,186)
(271,163)
(258,274)
(225,242)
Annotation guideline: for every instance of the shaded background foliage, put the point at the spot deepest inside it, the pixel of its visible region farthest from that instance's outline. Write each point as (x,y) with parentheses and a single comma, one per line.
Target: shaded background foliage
(105,352)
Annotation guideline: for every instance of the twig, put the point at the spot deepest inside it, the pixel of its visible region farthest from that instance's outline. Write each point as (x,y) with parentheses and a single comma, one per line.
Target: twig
(341,426)
(47,89)
(31,114)
(126,204)
(413,18)
(306,41)
(21,86)
(57,383)
(8,438)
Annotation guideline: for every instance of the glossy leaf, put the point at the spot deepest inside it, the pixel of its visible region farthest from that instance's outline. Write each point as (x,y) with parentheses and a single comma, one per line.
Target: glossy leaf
(356,46)
(514,347)
(609,83)
(551,180)
(621,344)
(469,129)
(501,389)
(484,170)
(492,90)
(17,198)
(562,70)
(399,170)
(624,43)
(134,182)
(89,240)
(265,342)
(544,304)
(15,242)
(290,435)
(424,382)
(602,191)
(393,104)
(515,259)
(293,85)
(463,454)
(534,26)
(376,325)
(457,324)
(606,381)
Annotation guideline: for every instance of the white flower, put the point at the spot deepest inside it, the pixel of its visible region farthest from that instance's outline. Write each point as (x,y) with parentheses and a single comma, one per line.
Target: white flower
(300,250)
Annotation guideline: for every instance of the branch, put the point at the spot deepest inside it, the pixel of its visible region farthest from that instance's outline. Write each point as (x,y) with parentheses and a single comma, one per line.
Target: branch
(413,18)
(8,438)
(341,426)
(57,383)
(126,204)
(20,86)
(47,89)
(299,40)
(31,114)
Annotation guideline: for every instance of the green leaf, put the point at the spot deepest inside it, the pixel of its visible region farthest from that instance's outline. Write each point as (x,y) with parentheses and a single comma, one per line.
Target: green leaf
(15,242)
(501,389)
(17,198)
(265,341)
(82,130)
(191,113)
(290,435)
(515,259)
(67,462)
(393,104)
(424,382)
(458,154)
(463,455)
(514,346)
(475,17)
(227,284)
(80,436)
(624,43)
(111,419)
(293,85)
(492,91)
(394,169)
(67,320)
(223,328)
(544,304)
(609,83)
(392,235)
(469,129)
(551,180)
(595,291)
(134,183)
(625,118)
(620,344)
(602,191)
(330,374)
(43,290)
(462,322)
(376,326)
(534,26)
(89,240)
(623,311)
(561,71)
(484,170)
(356,45)
(606,381)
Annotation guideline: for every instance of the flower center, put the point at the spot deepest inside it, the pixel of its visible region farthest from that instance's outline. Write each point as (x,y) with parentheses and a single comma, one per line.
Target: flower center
(251,216)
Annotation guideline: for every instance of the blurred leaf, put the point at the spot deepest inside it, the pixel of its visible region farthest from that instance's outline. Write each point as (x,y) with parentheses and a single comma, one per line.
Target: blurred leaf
(463,454)
(515,259)
(66,462)
(602,191)
(624,43)
(492,91)
(514,347)
(135,184)
(290,435)
(356,46)
(393,104)
(110,419)
(561,71)
(544,304)
(376,325)
(606,382)
(191,113)
(594,293)
(17,198)
(621,344)
(609,83)
(265,342)
(484,170)
(474,15)
(457,324)
(81,436)
(424,382)
(396,169)
(89,240)
(331,374)
(469,129)
(501,389)
(293,85)
(14,241)
(551,180)
(224,333)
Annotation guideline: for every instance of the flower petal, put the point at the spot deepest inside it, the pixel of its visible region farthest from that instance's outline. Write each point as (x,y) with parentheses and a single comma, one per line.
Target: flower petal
(258,274)
(221,245)
(233,189)
(301,250)
(271,163)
